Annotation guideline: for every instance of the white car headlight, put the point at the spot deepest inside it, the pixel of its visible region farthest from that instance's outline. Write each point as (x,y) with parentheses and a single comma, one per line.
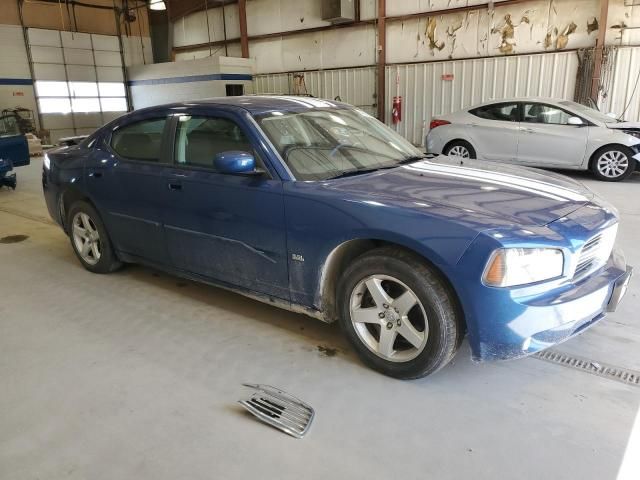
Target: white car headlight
(509,267)
(46,161)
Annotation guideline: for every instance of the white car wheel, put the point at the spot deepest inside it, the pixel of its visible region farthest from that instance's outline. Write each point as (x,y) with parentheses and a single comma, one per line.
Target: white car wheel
(612,164)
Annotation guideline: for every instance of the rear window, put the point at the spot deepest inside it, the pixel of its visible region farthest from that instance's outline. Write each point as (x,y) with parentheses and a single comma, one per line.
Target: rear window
(140,141)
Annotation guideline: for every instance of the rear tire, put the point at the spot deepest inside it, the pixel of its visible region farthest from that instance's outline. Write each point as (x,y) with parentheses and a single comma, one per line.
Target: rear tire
(460,149)
(613,163)
(398,313)
(90,240)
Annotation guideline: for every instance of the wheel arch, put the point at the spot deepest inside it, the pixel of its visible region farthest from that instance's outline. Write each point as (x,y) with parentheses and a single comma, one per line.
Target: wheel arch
(459,139)
(67,198)
(342,255)
(599,150)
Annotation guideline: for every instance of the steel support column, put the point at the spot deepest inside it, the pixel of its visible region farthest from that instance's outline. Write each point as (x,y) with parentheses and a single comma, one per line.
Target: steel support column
(597,60)
(244,38)
(382,59)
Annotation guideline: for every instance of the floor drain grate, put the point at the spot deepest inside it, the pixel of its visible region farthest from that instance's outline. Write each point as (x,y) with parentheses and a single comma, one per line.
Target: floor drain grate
(623,375)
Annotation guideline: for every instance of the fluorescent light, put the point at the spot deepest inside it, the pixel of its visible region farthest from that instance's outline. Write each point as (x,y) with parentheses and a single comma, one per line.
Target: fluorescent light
(157,5)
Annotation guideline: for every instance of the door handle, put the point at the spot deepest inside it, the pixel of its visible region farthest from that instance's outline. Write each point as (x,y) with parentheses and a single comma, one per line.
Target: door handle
(175,186)
(96,174)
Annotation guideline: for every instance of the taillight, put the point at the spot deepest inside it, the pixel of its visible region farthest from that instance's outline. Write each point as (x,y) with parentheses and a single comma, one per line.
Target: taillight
(437,123)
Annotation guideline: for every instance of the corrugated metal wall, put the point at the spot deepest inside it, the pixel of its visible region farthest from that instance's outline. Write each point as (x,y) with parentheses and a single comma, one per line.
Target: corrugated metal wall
(424,91)
(624,91)
(426,94)
(353,85)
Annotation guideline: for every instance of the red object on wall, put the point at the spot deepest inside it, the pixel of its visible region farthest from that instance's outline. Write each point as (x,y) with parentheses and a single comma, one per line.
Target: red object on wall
(396,113)
(447,77)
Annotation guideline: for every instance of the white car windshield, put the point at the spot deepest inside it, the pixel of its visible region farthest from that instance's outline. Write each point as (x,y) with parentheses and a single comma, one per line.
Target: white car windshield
(590,112)
(319,144)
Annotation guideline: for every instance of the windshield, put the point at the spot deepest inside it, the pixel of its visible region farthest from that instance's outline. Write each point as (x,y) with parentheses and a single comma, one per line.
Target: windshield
(591,112)
(320,144)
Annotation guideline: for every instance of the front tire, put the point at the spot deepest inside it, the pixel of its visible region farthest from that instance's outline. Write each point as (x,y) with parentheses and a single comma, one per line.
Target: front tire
(398,314)
(460,149)
(613,164)
(90,240)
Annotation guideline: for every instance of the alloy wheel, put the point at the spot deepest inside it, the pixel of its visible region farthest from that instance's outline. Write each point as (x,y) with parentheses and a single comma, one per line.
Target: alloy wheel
(459,151)
(612,164)
(86,238)
(389,318)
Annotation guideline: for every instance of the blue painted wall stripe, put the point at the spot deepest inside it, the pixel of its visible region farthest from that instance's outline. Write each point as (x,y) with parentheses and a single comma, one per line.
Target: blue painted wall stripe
(16,81)
(192,78)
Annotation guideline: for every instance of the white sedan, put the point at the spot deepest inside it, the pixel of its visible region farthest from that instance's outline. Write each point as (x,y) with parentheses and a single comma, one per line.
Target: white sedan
(540,132)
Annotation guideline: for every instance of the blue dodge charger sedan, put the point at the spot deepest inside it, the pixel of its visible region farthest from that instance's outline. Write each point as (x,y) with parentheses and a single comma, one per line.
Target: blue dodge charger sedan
(317,207)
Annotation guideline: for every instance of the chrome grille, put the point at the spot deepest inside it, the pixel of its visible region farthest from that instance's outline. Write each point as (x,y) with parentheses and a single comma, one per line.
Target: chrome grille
(279,409)
(595,252)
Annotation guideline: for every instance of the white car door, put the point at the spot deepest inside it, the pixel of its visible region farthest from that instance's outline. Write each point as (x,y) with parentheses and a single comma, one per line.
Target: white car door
(494,131)
(546,139)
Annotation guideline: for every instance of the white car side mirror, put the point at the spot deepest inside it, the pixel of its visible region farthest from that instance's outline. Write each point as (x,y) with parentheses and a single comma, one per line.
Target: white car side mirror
(575,121)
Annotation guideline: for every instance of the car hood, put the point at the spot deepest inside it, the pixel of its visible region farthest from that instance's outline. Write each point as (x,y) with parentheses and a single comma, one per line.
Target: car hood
(514,195)
(624,125)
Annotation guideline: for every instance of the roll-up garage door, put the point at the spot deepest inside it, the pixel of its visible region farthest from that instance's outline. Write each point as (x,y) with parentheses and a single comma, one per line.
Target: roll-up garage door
(79,80)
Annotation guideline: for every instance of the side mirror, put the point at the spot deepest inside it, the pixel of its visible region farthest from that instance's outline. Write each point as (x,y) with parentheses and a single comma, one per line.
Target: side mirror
(577,121)
(235,162)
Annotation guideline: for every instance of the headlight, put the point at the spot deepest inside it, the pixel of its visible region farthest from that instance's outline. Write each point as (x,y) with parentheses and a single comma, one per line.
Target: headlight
(508,267)
(46,161)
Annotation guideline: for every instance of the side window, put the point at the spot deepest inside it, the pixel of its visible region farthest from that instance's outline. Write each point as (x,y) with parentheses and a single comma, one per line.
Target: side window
(140,140)
(539,113)
(505,112)
(199,139)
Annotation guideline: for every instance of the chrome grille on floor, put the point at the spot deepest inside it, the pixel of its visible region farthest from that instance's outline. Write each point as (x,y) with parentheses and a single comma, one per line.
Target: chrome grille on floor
(595,252)
(279,409)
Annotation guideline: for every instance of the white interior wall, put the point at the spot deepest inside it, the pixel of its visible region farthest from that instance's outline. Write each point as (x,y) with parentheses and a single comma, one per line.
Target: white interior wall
(623,95)
(161,83)
(16,86)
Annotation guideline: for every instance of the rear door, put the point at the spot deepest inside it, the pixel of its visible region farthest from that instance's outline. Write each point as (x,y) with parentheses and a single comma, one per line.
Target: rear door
(546,139)
(224,226)
(494,131)
(125,179)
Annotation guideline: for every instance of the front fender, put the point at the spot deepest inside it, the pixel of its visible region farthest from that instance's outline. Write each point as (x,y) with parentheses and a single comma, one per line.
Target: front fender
(319,222)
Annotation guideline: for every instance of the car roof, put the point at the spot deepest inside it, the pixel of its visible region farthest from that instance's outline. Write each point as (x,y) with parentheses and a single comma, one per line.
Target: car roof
(256,104)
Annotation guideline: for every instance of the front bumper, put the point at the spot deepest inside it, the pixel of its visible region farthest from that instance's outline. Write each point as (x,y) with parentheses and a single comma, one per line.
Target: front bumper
(514,325)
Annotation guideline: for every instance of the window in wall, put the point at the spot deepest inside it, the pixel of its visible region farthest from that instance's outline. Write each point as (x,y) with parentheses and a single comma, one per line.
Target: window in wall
(54,105)
(234,90)
(81,97)
(140,141)
(116,104)
(52,89)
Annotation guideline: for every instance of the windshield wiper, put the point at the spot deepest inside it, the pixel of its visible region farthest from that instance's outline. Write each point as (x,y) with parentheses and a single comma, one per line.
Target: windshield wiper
(404,161)
(353,173)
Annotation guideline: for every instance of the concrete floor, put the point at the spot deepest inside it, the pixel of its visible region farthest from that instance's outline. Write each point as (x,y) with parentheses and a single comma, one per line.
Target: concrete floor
(136,375)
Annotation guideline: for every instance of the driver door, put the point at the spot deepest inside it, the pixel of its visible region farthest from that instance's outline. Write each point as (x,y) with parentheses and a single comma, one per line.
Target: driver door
(228,227)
